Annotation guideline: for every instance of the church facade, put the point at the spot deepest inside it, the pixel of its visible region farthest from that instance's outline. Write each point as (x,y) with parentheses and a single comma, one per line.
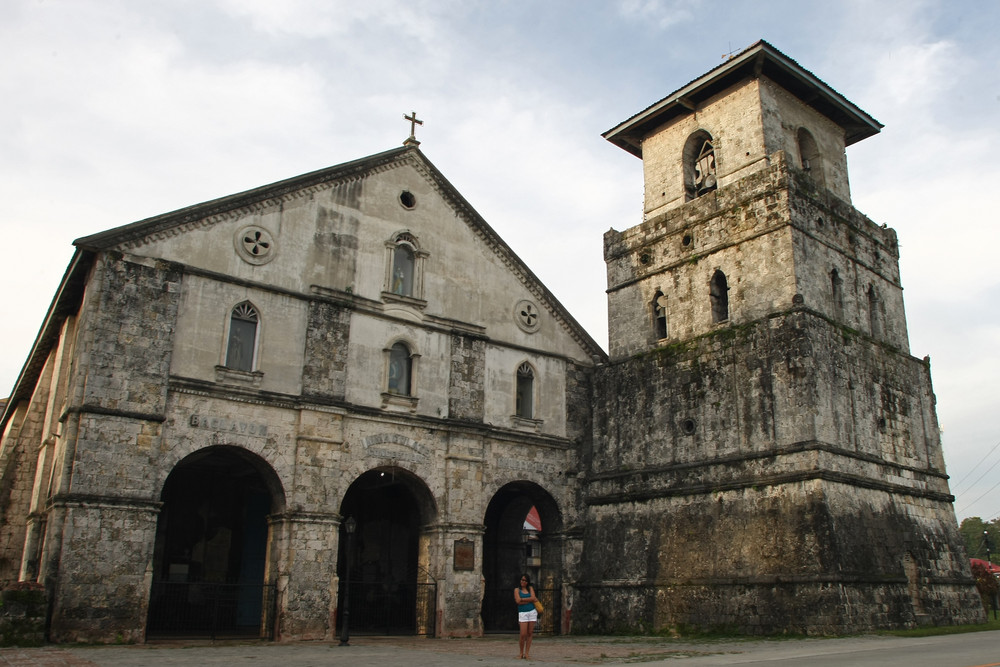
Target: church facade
(338,397)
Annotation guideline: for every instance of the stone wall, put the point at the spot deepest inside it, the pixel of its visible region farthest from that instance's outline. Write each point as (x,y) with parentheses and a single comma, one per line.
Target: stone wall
(792,383)
(22,615)
(99,533)
(324,371)
(466,391)
(769,477)
(811,557)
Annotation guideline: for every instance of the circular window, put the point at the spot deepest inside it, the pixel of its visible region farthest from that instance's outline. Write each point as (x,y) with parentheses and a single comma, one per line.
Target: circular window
(255,245)
(687,425)
(526,314)
(407,199)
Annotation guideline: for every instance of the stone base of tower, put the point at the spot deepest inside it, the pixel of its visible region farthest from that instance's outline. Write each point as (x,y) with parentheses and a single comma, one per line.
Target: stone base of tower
(784,475)
(812,557)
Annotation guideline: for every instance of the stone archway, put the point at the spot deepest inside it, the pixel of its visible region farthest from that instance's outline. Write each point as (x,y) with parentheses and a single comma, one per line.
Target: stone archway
(510,550)
(391,591)
(212,539)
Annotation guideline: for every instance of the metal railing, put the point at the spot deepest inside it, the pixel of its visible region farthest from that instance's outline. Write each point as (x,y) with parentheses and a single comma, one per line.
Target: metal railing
(391,609)
(209,610)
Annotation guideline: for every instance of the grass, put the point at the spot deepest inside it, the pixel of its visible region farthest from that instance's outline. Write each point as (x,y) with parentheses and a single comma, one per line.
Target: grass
(991,624)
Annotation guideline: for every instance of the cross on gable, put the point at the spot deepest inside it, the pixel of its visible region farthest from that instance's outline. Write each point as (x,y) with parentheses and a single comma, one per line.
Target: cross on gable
(412,139)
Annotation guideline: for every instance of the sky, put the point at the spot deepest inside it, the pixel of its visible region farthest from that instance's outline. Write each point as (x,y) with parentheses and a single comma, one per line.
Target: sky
(115,111)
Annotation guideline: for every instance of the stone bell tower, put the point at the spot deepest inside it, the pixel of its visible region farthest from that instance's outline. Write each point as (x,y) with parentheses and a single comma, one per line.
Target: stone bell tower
(766,453)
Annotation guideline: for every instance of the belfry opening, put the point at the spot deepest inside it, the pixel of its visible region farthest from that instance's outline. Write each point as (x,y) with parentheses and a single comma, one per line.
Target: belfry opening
(210,557)
(384,579)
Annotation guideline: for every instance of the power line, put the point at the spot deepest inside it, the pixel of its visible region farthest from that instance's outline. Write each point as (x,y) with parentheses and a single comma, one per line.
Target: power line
(973,469)
(985,472)
(981,497)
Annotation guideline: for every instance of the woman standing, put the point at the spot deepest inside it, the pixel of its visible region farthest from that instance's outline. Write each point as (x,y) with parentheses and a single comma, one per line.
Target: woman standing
(524,596)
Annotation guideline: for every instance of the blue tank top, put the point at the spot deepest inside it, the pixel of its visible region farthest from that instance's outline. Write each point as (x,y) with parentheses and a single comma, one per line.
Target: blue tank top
(530,606)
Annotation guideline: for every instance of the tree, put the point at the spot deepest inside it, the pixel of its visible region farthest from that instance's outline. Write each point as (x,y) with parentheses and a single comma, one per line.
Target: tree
(986,584)
(973,530)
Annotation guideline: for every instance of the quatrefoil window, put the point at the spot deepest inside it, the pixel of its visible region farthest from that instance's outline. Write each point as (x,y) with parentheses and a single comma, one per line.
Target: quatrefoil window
(527,315)
(255,245)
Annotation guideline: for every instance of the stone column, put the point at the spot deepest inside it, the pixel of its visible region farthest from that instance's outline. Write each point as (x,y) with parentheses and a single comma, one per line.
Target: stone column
(455,559)
(304,546)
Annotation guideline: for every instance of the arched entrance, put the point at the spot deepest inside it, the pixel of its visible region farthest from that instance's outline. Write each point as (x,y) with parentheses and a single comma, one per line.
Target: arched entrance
(391,590)
(212,537)
(512,546)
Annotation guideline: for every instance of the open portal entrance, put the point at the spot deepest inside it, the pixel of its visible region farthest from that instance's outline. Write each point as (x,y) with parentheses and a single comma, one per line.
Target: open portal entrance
(390,590)
(209,576)
(523,526)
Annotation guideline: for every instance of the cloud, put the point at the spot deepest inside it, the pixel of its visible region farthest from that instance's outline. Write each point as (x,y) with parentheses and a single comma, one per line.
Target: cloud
(344,18)
(661,14)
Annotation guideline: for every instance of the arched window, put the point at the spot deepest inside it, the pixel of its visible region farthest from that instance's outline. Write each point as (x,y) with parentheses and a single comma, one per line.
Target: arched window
(874,323)
(404,267)
(809,156)
(402,270)
(242,344)
(525,399)
(837,294)
(718,292)
(400,370)
(699,165)
(659,307)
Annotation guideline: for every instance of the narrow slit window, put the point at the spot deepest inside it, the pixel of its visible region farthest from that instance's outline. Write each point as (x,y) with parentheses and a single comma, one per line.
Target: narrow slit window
(874,323)
(525,391)
(837,294)
(719,296)
(660,315)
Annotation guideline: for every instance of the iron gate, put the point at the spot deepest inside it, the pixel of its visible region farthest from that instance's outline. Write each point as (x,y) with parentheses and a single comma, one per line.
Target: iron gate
(391,609)
(216,611)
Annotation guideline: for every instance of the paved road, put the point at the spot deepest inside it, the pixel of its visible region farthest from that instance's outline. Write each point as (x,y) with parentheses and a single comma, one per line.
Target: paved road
(981,649)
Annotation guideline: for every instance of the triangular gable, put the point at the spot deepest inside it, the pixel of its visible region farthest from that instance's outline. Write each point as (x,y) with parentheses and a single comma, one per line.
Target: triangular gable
(134,234)
(137,233)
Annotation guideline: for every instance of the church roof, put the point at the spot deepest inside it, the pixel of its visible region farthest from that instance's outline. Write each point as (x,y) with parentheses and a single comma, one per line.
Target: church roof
(760,59)
(137,231)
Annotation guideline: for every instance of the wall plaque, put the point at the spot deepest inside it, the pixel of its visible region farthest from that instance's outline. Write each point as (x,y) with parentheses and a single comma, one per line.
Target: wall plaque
(465,554)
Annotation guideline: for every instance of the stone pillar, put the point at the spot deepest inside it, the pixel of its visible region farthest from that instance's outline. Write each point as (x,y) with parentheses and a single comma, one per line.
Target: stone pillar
(97,568)
(456,561)
(305,546)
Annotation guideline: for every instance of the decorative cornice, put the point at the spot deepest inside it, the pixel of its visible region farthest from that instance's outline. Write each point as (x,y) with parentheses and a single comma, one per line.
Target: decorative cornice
(249,201)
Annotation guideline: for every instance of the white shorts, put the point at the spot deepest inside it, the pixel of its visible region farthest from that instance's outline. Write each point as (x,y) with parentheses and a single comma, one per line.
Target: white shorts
(527,616)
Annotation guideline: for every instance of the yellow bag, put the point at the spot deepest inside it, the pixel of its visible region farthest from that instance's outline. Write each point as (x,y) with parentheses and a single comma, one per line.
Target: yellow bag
(538,607)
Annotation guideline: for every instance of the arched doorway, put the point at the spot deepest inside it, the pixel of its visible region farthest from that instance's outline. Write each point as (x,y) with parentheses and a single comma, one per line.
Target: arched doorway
(212,538)
(523,526)
(391,590)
